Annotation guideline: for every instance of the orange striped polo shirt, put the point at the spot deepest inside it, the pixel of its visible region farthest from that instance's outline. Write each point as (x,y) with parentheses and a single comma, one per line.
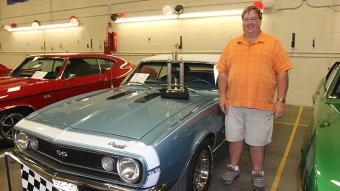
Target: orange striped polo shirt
(251,69)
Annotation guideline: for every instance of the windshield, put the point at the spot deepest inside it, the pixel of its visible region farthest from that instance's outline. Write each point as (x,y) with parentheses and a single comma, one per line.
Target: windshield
(39,68)
(196,75)
(336,89)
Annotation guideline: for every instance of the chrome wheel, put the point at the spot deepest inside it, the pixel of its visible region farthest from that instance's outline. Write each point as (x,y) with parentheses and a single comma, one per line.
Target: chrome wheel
(202,171)
(7,124)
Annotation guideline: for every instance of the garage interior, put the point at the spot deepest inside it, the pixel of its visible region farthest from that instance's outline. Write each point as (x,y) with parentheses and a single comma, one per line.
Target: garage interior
(313,23)
(308,29)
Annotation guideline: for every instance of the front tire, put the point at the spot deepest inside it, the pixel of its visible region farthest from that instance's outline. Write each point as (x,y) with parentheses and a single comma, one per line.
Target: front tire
(200,169)
(7,122)
(198,174)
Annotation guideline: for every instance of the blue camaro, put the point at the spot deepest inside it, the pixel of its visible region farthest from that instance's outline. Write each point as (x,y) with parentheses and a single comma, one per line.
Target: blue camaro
(157,131)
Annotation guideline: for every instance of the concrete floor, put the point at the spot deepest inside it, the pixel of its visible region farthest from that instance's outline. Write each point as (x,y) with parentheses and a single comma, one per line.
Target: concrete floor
(281,165)
(287,179)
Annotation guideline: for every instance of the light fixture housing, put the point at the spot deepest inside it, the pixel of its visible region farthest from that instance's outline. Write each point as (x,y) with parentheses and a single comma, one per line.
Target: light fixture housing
(116,16)
(168,10)
(35,24)
(74,20)
(258,4)
(179,9)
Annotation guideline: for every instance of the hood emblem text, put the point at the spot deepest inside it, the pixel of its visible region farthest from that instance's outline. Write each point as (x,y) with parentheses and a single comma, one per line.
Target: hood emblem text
(61,153)
(116,145)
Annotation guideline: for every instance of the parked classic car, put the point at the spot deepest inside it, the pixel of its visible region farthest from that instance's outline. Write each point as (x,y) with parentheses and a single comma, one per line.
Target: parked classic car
(41,80)
(320,161)
(4,70)
(152,133)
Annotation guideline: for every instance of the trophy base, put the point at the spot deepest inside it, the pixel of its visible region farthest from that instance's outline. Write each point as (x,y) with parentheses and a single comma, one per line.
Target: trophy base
(174,94)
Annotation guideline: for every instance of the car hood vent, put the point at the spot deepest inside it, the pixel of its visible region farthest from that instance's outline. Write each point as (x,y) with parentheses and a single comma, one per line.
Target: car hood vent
(120,95)
(147,97)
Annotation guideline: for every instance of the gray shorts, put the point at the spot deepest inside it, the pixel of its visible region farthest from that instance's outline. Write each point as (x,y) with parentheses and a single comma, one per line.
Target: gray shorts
(252,125)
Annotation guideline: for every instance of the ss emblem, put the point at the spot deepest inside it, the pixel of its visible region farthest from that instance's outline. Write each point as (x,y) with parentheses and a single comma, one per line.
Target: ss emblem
(61,153)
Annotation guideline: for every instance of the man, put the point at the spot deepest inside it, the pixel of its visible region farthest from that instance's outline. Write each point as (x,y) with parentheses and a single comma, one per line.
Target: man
(251,68)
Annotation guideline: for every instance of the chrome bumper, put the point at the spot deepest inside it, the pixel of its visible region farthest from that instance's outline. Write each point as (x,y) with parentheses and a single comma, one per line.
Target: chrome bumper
(79,181)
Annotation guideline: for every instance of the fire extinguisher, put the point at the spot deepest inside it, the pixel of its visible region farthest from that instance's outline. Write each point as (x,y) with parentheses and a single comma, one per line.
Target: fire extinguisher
(112,41)
(110,44)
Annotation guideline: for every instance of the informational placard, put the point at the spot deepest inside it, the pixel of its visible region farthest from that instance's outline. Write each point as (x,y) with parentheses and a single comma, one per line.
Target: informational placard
(139,77)
(39,75)
(64,186)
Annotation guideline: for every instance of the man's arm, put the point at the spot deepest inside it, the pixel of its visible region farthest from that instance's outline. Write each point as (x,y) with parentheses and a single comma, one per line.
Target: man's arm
(222,88)
(282,87)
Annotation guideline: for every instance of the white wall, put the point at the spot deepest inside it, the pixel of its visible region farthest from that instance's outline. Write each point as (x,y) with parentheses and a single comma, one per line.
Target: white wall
(309,20)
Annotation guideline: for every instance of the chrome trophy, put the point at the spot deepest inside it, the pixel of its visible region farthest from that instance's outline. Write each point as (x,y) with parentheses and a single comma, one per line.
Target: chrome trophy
(174,89)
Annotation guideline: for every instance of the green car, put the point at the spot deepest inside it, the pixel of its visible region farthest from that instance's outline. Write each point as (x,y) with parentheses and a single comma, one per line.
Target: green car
(320,159)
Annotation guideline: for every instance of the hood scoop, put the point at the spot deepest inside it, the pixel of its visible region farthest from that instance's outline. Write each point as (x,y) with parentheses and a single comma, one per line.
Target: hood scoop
(122,94)
(147,98)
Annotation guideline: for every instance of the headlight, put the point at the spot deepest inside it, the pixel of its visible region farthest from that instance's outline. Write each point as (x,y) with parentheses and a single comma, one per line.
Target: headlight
(21,140)
(34,143)
(107,163)
(128,170)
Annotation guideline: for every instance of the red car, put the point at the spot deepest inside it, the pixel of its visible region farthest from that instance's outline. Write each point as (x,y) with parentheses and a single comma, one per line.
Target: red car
(41,80)
(4,70)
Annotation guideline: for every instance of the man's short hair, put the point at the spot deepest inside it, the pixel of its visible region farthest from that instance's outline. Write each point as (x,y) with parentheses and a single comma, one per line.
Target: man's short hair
(252,8)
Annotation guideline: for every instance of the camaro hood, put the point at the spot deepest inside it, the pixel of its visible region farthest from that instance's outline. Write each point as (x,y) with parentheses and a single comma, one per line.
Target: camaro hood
(116,113)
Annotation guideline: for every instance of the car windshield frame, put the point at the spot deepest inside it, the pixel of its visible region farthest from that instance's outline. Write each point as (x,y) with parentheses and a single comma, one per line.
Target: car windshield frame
(197,75)
(38,68)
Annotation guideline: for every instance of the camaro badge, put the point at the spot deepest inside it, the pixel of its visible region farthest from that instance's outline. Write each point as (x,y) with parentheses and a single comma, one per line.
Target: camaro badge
(116,145)
(61,153)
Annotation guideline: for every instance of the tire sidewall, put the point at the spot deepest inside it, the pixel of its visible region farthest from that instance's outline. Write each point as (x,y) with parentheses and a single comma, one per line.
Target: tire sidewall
(191,168)
(22,114)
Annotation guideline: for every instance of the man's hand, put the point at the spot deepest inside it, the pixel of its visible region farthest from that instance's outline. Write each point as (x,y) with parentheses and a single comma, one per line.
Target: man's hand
(223,104)
(279,109)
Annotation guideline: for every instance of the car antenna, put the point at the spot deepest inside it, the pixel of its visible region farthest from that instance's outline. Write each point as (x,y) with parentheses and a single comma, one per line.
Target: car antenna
(111,64)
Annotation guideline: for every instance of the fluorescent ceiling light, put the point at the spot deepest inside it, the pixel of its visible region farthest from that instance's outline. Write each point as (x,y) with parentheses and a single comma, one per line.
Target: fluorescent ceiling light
(53,26)
(144,19)
(211,14)
(73,23)
(180,16)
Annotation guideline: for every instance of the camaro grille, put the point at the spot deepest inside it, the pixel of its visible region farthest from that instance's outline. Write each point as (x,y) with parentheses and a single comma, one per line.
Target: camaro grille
(73,156)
